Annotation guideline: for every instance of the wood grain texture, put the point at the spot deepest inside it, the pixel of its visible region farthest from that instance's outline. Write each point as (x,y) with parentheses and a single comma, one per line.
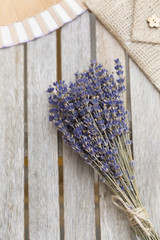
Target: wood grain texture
(79,208)
(145,101)
(11,144)
(42,142)
(114,224)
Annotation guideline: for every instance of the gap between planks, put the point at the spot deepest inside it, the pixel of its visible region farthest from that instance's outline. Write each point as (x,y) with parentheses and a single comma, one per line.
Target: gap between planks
(26,198)
(60,144)
(96,177)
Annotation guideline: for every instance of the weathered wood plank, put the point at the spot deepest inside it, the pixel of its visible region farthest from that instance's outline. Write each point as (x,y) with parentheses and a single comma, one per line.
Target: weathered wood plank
(145,102)
(114,224)
(12,143)
(79,208)
(42,142)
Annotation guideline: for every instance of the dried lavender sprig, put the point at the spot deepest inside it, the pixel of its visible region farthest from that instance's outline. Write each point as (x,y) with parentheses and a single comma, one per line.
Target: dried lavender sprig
(93,120)
(105,94)
(111,76)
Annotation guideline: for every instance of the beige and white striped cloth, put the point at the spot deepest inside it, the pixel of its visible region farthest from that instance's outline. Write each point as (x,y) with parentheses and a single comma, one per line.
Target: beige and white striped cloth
(41,24)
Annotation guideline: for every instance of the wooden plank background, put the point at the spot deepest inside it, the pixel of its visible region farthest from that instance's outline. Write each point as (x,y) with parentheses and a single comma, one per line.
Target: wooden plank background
(112,220)
(145,101)
(42,142)
(26,72)
(79,214)
(12,143)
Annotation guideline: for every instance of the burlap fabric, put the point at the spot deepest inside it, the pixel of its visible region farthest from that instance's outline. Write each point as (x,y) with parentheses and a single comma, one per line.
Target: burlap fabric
(117,16)
(141,30)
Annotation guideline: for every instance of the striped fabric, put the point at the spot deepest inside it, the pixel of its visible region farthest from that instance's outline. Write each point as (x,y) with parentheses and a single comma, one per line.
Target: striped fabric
(41,24)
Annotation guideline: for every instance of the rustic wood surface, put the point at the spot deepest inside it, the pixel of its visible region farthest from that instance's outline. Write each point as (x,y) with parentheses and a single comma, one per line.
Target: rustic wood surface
(145,100)
(11,144)
(79,214)
(42,142)
(39,62)
(112,221)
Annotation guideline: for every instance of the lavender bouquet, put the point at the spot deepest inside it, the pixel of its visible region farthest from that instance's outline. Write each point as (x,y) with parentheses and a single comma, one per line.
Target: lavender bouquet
(90,114)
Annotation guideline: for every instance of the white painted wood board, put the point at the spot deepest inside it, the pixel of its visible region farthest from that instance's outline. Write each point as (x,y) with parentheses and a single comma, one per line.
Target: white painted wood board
(79,207)
(12,143)
(42,142)
(145,100)
(113,222)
